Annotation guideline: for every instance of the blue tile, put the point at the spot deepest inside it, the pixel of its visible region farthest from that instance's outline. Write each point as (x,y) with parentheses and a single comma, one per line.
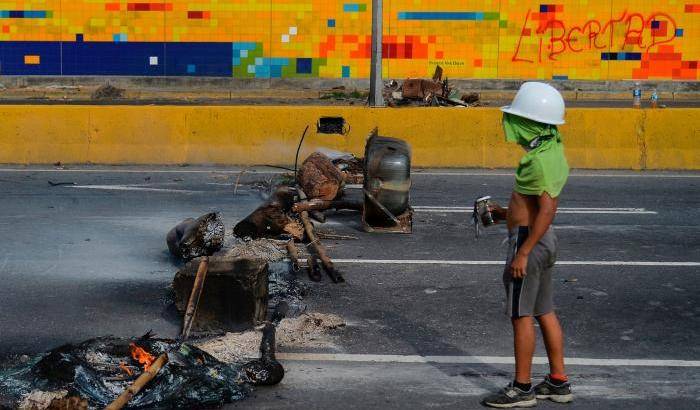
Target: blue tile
(679,32)
(304,66)
(351,8)
(262,71)
(346,71)
(279,61)
(79,37)
(331,23)
(208,59)
(246,45)
(655,24)
(191,68)
(275,71)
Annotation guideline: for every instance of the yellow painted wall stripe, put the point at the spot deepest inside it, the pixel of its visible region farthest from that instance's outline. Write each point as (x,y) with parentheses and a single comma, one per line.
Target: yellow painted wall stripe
(595,138)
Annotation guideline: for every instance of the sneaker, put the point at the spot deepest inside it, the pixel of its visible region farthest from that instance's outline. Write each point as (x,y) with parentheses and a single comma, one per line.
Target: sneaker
(511,397)
(559,393)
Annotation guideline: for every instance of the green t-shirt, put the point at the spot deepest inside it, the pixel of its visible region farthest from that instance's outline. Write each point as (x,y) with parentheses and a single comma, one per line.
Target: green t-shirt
(544,167)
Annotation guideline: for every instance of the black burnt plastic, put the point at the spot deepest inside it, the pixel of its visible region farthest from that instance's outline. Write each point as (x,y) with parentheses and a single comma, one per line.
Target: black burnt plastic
(192,378)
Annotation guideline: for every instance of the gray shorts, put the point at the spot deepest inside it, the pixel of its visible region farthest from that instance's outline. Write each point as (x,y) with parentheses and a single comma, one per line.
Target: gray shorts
(531,295)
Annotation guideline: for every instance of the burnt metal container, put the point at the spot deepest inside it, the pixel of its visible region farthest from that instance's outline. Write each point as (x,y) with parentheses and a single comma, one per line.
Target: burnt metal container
(234,296)
(387,184)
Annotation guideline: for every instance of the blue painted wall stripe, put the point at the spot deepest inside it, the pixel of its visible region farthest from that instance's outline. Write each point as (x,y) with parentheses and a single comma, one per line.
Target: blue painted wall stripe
(117,58)
(24,14)
(448,15)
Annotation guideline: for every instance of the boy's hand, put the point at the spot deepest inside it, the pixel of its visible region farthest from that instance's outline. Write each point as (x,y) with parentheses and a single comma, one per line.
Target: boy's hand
(518,268)
(498,213)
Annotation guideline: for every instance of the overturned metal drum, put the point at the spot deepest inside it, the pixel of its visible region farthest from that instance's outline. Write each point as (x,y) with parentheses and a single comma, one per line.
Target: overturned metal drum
(387,185)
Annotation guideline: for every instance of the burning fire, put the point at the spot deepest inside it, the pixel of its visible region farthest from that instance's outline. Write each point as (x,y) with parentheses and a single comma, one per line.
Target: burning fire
(140,355)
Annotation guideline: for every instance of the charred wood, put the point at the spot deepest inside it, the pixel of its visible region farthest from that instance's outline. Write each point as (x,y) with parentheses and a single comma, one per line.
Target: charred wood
(319,177)
(196,237)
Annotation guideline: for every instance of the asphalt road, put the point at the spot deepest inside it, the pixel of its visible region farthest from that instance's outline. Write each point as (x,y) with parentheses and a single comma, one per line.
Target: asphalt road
(425,330)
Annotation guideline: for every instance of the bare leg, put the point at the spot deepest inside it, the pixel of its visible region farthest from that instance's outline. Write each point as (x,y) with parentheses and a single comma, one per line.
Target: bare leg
(524,341)
(553,341)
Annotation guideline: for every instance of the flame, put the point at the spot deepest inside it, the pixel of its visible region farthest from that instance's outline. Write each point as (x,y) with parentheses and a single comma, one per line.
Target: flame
(140,355)
(126,370)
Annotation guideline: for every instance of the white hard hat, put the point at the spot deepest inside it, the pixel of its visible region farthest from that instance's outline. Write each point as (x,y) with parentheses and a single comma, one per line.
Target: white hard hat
(538,102)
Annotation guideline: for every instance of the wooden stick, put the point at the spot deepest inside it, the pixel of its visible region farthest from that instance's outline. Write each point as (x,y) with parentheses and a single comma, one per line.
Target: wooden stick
(320,250)
(193,303)
(314,273)
(139,383)
(322,205)
(293,255)
(333,236)
(381,207)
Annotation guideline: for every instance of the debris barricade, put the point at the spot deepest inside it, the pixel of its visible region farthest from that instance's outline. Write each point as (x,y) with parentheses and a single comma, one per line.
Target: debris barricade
(435,92)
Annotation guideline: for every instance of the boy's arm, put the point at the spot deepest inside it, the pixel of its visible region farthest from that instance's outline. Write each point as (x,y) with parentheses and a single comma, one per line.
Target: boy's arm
(547,209)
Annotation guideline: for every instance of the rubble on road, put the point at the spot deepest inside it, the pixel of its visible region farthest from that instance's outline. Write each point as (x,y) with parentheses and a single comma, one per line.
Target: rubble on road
(319,177)
(434,92)
(196,237)
(246,281)
(234,295)
(38,399)
(108,92)
(272,218)
(94,371)
(310,330)
(270,250)
(387,185)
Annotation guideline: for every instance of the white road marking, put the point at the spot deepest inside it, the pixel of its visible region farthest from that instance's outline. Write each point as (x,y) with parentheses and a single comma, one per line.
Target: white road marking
(562,210)
(274,171)
(487,263)
(388,358)
(134,188)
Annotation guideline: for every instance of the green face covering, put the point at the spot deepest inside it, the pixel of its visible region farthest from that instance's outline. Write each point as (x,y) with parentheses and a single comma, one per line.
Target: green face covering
(544,167)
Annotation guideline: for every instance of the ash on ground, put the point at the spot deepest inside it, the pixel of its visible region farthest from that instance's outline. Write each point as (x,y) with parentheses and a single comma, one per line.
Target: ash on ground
(310,330)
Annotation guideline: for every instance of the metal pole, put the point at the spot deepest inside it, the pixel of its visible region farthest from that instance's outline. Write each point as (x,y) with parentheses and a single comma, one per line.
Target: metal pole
(376,85)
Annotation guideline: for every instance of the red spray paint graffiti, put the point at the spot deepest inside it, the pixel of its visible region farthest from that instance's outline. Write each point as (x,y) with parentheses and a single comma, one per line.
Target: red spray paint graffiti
(554,37)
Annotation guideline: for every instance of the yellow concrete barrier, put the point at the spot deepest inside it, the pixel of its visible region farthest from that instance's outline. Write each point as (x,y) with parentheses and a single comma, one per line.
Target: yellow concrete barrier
(596,138)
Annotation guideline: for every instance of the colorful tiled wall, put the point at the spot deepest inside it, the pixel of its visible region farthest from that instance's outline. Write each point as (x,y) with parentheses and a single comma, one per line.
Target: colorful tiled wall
(568,39)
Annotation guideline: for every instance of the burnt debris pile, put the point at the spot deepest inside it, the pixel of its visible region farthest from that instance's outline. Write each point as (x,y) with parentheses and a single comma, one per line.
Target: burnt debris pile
(99,370)
(248,279)
(434,92)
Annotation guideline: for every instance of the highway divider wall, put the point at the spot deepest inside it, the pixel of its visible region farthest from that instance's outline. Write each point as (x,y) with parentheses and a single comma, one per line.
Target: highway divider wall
(595,138)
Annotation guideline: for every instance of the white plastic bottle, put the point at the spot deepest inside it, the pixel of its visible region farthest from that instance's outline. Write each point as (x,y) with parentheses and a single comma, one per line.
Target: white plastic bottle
(637,95)
(654,99)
